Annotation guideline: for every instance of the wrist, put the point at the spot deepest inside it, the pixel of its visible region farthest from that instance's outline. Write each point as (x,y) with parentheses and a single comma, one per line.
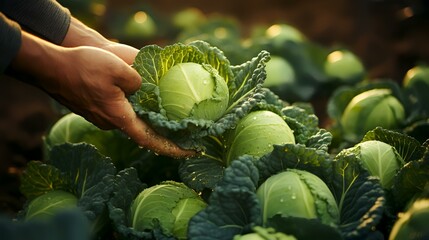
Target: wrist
(79,34)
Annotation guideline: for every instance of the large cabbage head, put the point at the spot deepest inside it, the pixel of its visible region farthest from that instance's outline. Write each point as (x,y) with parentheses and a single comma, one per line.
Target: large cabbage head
(192,90)
(298,193)
(371,109)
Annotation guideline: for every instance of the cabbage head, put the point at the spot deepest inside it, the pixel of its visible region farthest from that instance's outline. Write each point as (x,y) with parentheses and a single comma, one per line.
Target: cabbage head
(192,90)
(169,204)
(412,224)
(49,204)
(370,109)
(298,193)
(380,159)
(256,134)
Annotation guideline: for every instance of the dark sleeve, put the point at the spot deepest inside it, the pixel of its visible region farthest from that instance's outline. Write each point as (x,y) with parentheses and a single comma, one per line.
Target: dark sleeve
(45,18)
(10,41)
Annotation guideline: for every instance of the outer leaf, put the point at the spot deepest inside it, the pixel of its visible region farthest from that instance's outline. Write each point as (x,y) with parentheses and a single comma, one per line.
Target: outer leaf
(233,206)
(39,178)
(90,174)
(302,228)
(215,58)
(83,164)
(231,212)
(295,156)
(411,181)
(153,61)
(303,123)
(126,187)
(202,172)
(360,197)
(321,140)
(408,148)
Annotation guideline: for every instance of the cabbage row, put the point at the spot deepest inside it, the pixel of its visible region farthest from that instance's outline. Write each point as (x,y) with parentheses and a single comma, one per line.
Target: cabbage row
(267,170)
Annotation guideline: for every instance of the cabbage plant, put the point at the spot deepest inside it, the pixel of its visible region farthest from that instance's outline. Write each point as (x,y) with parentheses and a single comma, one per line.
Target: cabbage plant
(73,128)
(169,204)
(256,134)
(380,159)
(299,194)
(190,91)
(370,109)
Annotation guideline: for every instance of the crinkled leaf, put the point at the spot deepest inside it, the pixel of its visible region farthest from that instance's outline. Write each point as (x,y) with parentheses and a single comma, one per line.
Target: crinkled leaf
(83,164)
(202,172)
(303,228)
(303,124)
(216,58)
(233,206)
(247,76)
(411,181)
(295,156)
(360,196)
(230,212)
(408,148)
(321,140)
(39,178)
(126,187)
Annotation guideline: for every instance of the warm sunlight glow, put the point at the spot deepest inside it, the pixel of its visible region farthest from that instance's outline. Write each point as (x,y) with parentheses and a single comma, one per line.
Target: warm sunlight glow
(140,17)
(335,56)
(274,30)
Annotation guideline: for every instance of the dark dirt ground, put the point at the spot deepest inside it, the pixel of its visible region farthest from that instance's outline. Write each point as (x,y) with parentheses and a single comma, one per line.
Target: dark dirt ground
(384,33)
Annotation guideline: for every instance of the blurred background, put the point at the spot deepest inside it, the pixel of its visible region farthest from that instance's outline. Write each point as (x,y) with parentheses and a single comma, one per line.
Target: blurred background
(387,37)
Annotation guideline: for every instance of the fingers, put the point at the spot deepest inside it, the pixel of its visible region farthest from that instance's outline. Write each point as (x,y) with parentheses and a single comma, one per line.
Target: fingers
(129,80)
(146,137)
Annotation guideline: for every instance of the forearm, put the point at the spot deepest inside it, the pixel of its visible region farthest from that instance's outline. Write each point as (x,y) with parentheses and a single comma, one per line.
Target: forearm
(37,58)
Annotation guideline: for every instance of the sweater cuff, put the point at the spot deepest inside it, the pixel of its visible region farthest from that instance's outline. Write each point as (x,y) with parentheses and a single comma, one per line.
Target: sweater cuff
(45,18)
(10,42)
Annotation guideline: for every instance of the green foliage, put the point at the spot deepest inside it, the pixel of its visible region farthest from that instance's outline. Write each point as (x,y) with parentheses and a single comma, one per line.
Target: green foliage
(243,82)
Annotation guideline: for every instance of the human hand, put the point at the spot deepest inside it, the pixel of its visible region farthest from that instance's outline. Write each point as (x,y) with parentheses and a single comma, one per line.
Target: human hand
(93,83)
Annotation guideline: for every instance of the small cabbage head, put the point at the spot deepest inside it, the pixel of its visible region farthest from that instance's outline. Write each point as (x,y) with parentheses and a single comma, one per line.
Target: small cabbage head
(256,133)
(279,72)
(380,159)
(298,193)
(413,224)
(73,128)
(169,203)
(344,65)
(49,204)
(371,109)
(192,90)
(417,74)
